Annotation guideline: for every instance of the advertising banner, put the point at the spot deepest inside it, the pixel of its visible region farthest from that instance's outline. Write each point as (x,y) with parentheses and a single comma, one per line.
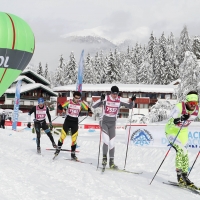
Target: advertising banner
(16,106)
(154,136)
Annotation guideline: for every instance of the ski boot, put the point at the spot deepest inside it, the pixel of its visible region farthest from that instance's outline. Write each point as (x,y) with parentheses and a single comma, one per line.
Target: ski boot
(187,182)
(104,160)
(57,151)
(54,145)
(73,156)
(179,177)
(112,165)
(38,150)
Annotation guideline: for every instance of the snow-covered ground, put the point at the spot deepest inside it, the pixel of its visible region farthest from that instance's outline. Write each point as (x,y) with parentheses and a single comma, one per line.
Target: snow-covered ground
(26,175)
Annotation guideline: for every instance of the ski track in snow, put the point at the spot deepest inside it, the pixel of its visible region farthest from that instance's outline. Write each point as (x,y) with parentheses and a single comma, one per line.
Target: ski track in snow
(25,175)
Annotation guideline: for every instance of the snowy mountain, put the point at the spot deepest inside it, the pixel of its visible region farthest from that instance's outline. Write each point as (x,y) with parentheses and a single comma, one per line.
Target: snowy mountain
(25,175)
(95,40)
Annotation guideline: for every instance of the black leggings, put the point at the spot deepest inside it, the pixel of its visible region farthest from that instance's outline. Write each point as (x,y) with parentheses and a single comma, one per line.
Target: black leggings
(42,124)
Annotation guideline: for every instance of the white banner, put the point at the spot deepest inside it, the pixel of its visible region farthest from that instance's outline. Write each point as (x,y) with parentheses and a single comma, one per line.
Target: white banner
(154,136)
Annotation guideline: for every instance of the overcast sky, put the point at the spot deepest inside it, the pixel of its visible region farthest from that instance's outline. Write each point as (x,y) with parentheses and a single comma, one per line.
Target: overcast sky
(117,20)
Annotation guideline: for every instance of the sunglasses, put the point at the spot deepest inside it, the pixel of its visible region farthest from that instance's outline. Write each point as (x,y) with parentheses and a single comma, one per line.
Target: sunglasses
(192,103)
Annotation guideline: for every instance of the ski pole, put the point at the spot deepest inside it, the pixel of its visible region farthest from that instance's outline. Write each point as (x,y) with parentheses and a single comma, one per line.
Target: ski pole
(99,143)
(100,137)
(128,139)
(55,118)
(83,119)
(194,163)
(167,152)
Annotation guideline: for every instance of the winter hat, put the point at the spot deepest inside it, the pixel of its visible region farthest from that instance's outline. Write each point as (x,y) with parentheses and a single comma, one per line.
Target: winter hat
(114,89)
(192,97)
(40,100)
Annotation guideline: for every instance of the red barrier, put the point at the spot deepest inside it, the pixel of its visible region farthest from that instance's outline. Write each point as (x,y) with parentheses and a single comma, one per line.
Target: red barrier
(9,123)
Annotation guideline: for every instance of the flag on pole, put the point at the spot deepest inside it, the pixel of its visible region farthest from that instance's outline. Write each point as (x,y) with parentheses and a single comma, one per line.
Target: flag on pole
(80,73)
(16,105)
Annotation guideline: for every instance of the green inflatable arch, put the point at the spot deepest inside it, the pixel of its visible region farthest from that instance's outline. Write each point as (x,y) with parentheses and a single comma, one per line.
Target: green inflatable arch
(17,46)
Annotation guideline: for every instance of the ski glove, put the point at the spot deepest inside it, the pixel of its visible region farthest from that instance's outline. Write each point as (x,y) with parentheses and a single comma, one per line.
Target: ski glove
(51,126)
(185,117)
(133,98)
(90,113)
(103,96)
(29,125)
(182,118)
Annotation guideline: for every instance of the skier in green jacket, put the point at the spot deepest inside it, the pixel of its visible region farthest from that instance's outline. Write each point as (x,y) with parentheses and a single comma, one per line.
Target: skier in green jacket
(183,112)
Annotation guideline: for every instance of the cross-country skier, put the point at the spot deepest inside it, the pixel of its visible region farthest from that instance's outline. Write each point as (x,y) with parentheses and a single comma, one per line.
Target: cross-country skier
(40,113)
(111,104)
(3,118)
(73,107)
(184,111)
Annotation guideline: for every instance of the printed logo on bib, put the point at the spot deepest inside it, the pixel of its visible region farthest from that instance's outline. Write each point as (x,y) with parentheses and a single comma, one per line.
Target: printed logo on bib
(112,103)
(73,110)
(111,110)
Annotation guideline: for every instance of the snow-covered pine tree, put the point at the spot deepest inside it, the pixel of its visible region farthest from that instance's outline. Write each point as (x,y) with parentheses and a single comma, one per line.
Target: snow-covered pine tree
(128,72)
(136,57)
(150,46)
(146,70)
(97,69)
(163,59)
(104,75)
(46,71)
(189,75)
(88,70)
(118,65)
(149,59)
(102,61)
(59,78)
(40,70)
(184,44)
(172,63)
(196,46)
(71,70)
(111,72)
(156,64)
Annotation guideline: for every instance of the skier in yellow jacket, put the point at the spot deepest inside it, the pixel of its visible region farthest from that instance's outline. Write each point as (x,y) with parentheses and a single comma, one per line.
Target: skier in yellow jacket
(183,112)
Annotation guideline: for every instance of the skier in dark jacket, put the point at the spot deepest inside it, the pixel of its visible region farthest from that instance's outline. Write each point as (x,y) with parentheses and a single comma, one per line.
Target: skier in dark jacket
(111,104)
(73,108)
(40,113)
(3,118)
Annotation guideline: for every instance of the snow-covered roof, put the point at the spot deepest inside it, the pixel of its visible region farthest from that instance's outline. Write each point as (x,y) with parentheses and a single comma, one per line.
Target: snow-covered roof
(28,87)
(35,74)
(25,78)
(122,88)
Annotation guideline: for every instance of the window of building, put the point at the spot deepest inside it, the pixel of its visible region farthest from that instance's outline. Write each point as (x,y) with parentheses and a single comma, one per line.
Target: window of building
(167,96)
(124,95)
(143,95)
(130,95)
(21,103)
(31,103)
(153,96)
(83,94)
(158,96)
(96,93)
(162,96)
(137,95)
(89,94)
(68,94)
